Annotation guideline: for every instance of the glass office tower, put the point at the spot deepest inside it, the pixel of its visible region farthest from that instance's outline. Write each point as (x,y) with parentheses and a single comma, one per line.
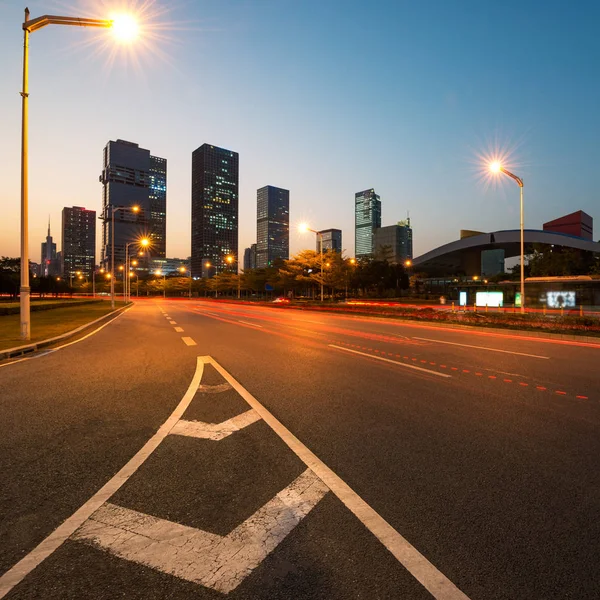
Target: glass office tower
(367,218)
(272,225)
(215,176)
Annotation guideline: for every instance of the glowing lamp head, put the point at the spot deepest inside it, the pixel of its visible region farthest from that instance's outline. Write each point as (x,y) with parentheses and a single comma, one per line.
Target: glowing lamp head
(158,272)
(144,242)
(352,261)
(135,209)
(303,227)
(229,259)
(495,167)
(125,28)
(407,262)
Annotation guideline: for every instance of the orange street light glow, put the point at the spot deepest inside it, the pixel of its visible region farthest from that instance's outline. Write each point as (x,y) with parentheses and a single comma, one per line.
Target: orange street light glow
(495,167)
(125,28)
(144,241)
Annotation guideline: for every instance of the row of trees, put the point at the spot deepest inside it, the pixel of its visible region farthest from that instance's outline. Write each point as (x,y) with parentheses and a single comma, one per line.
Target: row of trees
(302,275)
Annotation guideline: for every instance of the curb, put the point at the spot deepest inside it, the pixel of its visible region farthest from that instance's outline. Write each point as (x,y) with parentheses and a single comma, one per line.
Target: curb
(19,350)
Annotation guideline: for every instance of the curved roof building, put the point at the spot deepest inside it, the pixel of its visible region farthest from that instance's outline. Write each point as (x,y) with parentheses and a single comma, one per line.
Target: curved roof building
(467,256)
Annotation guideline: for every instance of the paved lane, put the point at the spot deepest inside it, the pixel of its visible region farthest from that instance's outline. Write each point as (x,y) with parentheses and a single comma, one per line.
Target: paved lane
(494,482)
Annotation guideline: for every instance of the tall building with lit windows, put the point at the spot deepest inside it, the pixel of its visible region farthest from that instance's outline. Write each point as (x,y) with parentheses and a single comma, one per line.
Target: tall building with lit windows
(215,177)
(158,206)
(78,241)
(367,218)
(272,225)
(132,177)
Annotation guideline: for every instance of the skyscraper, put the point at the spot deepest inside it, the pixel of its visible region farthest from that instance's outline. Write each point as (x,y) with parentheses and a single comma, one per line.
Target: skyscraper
(48,255)
(132,177)
(332,240)
(158,206)
(367,218)
(397,239)
(215,176)
(272,225)
(78,240)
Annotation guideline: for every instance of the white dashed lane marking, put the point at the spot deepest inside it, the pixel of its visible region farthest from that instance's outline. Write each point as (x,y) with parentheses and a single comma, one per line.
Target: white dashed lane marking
(394,362)
(188,341)
(481,348)
(178,329)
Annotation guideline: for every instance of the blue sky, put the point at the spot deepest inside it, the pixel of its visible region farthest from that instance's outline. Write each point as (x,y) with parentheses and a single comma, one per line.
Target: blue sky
(324,98)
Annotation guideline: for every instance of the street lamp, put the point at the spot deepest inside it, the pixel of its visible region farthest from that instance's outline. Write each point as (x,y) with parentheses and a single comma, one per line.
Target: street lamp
(144,242)
(303,228)
(230,260)
(159,273)
(120,25)
(134,209)
(183,270)
(496,167)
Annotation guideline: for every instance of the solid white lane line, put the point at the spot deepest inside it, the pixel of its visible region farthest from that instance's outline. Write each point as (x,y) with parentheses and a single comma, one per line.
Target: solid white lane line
(435,582)
(214,561)
(215,431)
(248,323)
(480,348)
(394,362)
(51,350)
(188,341)
(178,329)
(45,548)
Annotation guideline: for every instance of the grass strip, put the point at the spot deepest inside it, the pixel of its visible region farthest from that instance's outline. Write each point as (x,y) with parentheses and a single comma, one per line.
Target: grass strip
(50,323)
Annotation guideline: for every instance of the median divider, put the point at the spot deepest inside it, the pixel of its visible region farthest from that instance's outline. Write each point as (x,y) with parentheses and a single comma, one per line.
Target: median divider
(27,348)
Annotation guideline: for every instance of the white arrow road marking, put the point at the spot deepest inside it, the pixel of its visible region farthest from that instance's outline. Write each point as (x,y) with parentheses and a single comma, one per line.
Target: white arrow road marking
(433,580)
(51,543)
(214,561)
(215,431)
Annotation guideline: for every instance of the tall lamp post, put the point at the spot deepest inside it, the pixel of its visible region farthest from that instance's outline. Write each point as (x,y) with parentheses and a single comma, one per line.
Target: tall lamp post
(184,270)
(230,260)
(496,167)
(126,28)
(134,209)
(304,228)
(144,243)
(159,273)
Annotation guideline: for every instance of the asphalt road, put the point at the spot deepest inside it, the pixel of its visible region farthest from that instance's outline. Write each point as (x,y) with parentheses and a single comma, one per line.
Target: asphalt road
(168,454)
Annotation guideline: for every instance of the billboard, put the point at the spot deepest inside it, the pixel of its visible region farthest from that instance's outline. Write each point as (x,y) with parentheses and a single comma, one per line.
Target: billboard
(565,299)
(489,299)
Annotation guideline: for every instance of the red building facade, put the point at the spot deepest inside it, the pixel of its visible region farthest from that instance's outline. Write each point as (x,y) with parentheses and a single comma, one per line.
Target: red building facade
(577,223)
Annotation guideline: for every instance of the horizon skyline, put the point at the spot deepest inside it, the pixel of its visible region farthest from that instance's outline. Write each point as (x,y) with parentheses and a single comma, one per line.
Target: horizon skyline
(407,115)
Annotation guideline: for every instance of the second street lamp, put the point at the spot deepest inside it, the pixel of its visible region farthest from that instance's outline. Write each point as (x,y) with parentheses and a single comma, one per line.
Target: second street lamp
(496,167)
(303,228)
(184,270)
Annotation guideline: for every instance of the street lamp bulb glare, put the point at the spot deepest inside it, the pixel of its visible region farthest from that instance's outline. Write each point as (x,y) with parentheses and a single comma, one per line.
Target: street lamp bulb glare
(135,209)
(125,28)
(495,167)
(303,227)
(144,241)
